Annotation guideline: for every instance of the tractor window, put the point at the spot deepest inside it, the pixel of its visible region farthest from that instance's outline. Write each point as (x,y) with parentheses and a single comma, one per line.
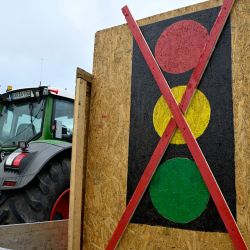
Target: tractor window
(20,122)
(63,112)
(7,124)
(25,119)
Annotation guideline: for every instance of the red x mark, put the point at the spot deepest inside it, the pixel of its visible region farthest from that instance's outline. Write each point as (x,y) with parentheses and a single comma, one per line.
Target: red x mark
(180,121)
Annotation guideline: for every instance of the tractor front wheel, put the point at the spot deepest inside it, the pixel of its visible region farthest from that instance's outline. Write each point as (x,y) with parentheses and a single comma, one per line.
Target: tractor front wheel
(47,196)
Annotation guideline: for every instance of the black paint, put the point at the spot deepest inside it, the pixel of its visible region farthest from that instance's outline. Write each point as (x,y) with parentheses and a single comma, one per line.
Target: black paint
(217,142)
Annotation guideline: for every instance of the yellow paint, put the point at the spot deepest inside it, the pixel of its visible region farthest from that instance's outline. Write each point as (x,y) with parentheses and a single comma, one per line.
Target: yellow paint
(197,116)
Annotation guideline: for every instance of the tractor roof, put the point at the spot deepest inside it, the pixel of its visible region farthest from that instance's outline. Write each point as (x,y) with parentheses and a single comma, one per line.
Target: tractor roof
(27,93)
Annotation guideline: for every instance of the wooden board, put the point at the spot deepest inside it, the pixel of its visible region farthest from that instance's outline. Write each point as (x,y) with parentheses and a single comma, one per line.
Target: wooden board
(44,235)
(107,160)
(78,162)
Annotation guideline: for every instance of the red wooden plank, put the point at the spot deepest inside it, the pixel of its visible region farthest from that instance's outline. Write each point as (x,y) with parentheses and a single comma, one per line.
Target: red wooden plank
(160,149)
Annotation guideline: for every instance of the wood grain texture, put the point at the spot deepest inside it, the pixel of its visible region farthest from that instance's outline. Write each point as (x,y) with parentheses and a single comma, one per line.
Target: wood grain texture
(78,161)
(108,136)
(106,176)
(241,103)
(37,236)
(84,75)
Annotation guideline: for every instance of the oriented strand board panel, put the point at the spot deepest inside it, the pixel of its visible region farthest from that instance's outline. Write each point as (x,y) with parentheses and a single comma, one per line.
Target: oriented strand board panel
(126,117)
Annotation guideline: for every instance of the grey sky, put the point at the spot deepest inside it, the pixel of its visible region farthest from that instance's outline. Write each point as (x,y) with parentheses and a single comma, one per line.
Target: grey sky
(59,33)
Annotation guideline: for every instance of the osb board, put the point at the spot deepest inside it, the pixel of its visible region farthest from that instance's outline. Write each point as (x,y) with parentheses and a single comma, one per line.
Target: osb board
(106,180)
(43,235)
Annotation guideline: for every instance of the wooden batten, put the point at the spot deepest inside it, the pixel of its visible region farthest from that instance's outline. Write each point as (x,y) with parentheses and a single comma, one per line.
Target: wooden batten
(78,162)
(41,235)
(84,75)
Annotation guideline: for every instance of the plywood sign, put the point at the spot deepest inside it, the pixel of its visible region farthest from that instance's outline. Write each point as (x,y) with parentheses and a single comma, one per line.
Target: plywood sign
(129,116)
(177,44)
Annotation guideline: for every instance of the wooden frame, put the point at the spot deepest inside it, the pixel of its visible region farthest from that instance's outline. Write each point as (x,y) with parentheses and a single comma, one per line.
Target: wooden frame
(78,160)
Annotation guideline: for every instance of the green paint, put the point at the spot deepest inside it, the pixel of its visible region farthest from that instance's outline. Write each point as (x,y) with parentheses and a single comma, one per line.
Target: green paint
(178,191)
(47,121)
(54,142)
(8,149)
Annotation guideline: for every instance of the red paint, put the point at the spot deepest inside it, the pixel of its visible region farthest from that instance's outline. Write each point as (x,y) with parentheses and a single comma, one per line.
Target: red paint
(56,91)
(17,161)
(61,206)
(105,116)
(100,126)
(9,183)
(164,141)
(180,45)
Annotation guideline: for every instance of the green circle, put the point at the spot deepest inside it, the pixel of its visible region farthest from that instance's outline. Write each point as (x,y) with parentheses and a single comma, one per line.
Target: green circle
(178,191)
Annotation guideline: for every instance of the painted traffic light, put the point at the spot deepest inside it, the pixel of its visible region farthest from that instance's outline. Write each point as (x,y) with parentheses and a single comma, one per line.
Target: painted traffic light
(177,196)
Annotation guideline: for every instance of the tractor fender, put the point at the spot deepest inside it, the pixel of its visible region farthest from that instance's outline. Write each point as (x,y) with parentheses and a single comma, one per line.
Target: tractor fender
(39,154)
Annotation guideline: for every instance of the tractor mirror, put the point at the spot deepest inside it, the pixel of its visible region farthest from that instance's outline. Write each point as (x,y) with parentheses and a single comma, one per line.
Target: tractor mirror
(58,129)
(61,131)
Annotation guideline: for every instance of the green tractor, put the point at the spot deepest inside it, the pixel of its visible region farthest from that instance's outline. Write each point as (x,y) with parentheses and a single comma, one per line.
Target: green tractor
(35,149)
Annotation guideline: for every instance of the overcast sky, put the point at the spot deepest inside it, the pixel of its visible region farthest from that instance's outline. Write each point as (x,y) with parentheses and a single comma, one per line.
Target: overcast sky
(47,39)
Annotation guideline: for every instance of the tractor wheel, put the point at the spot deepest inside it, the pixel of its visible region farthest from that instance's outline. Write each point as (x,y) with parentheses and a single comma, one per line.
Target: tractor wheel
(36,201)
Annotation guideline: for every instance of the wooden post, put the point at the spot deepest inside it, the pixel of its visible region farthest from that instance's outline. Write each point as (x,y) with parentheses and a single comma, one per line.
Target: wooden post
(78,161)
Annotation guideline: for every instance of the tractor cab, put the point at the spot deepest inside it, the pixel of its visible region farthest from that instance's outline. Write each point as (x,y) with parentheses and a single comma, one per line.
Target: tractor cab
(36,126)
(34,114)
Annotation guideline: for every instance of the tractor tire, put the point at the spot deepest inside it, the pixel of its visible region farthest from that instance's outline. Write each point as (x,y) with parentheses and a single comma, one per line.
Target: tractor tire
(35,201)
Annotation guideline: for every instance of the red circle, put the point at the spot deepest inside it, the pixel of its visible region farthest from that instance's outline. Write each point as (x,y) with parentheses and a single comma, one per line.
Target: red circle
(180,45)
(61,206)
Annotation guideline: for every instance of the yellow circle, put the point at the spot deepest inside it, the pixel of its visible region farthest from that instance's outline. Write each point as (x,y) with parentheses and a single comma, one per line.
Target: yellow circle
(197,115)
